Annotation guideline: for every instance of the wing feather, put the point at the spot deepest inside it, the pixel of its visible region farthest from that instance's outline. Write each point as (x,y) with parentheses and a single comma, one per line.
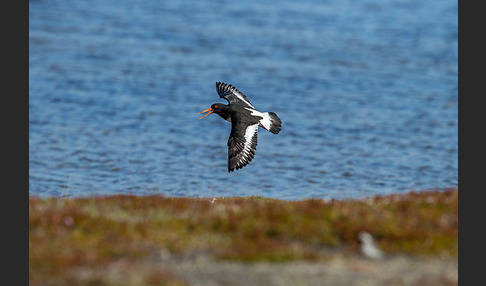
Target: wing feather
(241,147)
(232,95)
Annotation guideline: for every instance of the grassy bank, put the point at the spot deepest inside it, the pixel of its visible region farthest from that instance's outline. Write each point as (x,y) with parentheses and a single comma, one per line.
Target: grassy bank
(88,240)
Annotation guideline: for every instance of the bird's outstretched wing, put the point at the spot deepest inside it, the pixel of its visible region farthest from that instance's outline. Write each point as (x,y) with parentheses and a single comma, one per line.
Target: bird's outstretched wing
(232,95)
(242,144)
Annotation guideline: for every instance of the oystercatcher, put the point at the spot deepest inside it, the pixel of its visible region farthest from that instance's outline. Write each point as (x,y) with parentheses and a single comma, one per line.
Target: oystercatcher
(245,120)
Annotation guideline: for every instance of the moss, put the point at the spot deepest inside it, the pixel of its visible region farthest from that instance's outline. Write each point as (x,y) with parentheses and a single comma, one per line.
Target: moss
(68,235)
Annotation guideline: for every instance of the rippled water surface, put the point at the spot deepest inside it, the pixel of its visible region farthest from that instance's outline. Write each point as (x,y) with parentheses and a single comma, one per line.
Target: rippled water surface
(367,92)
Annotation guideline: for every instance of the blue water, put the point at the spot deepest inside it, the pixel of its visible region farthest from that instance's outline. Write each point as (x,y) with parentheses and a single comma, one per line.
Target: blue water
(367,92)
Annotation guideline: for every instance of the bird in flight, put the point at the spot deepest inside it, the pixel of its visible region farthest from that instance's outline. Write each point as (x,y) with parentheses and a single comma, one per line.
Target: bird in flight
(245,120)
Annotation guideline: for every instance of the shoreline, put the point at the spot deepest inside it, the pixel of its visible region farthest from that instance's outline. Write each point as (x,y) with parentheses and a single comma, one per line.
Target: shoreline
(155,240)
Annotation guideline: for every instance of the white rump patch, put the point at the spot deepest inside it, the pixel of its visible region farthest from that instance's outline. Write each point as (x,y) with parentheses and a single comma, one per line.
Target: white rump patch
(266,121)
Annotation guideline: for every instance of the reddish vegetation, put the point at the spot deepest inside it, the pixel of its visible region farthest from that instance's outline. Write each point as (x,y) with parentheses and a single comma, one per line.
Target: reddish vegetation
(105,240)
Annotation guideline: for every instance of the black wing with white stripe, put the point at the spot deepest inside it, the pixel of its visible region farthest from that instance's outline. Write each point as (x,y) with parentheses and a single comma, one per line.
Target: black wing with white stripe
(232,95)
(242,144)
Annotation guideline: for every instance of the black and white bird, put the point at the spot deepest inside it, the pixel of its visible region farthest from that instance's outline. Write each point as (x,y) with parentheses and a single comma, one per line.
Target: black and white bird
(245,120)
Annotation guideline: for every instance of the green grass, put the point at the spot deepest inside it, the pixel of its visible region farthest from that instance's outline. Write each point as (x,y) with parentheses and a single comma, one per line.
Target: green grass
(81,240)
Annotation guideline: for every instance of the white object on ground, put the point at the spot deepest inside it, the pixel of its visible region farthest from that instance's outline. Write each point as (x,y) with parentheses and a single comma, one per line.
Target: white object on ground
(368,247)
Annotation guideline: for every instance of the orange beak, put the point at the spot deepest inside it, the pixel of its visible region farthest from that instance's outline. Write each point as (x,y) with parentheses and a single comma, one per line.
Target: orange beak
(209,111)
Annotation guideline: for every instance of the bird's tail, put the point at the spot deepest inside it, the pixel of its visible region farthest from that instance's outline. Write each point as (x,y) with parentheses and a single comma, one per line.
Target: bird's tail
(271,122)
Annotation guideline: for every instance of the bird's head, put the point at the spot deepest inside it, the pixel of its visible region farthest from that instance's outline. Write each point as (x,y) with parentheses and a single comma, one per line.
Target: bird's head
(218,108)
(365,237)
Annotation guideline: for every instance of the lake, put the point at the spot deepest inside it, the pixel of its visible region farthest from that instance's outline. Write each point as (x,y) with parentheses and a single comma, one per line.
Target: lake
(367,92)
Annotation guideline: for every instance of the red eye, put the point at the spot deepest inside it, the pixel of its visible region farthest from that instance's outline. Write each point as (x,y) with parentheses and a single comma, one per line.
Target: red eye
(215,106)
